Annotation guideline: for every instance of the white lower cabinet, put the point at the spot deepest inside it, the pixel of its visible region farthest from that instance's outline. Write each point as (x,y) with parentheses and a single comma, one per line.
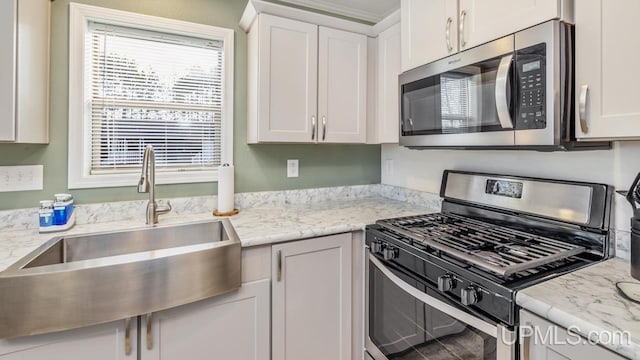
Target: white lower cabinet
(560,345)
(311,295)
(298,300)
(101,342)
(231,326)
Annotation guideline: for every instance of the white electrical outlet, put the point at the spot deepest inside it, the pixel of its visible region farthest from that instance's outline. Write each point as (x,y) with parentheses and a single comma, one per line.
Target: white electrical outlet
(292,168)
(21,178)
(388,166)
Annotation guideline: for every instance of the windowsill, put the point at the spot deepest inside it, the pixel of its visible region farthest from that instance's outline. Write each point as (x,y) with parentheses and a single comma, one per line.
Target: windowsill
(131,179)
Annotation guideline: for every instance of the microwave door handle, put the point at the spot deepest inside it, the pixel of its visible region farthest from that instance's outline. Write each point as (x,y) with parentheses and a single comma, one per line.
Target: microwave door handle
(502,88)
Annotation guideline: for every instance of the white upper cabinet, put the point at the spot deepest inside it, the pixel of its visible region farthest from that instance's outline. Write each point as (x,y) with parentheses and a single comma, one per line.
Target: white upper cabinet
(389,68)
(307,83)
(283,68)
(342,86)
(481,21)
(24,71)
(607,50)
(429,31)
(8,13)
(434,29)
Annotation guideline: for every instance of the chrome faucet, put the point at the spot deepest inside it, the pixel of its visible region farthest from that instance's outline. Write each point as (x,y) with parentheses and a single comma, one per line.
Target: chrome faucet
(147,184)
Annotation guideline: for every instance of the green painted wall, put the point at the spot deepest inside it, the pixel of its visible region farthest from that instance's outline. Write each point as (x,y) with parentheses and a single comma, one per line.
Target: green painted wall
(258,167)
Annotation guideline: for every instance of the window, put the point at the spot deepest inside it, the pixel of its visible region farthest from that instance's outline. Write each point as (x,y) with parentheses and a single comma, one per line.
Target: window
(147,81)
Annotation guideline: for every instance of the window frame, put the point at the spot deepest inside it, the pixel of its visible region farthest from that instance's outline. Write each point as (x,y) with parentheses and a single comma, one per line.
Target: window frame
(79,166)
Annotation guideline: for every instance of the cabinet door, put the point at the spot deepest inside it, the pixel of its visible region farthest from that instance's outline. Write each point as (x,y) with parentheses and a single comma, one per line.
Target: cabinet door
(388,91)
(429,31)
(288,84)
(8,16)
(231,326)
(311,294)
(342,86)
(561,345)
(482,21)
(101,342)
(32,89)
(606,82)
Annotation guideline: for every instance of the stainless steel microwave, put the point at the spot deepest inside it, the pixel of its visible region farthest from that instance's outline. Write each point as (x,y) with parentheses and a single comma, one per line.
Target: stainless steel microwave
(514,92)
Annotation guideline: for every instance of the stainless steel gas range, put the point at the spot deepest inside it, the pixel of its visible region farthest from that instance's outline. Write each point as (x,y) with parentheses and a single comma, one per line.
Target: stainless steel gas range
(443,286)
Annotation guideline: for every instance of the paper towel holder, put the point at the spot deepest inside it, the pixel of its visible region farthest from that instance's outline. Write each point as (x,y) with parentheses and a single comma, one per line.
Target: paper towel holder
(228,213)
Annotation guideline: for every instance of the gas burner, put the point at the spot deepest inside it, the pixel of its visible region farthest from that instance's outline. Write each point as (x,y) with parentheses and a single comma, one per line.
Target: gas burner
(499,249)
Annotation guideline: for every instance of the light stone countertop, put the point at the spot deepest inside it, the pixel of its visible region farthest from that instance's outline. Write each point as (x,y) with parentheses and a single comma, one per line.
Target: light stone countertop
(260,225)
(588,299)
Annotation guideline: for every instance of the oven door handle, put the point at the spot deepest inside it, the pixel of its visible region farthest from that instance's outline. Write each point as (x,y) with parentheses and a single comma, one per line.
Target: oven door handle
(489,329)
(502,89)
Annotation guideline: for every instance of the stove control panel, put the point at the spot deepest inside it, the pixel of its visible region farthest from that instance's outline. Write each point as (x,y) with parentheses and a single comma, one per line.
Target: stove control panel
(446,283)
(390,252)
(469,296)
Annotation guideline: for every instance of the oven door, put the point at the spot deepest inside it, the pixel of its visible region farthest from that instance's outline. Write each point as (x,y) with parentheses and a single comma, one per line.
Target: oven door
(463,100)
(404,322)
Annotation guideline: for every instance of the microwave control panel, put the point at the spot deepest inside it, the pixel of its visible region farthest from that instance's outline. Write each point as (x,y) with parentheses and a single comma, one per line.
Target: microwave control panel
(532,85)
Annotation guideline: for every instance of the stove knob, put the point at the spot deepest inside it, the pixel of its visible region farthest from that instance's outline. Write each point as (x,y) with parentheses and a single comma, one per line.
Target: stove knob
(446,283)
(389,253)
(376,247)
(469,296)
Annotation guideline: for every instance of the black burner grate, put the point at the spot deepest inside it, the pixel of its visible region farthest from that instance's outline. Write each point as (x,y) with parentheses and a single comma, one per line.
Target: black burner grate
(492,247)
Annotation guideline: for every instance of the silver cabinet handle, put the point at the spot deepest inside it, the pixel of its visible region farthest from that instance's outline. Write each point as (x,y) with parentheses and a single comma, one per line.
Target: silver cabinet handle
(502,81)
(324,127)
(525,350)
(463,16)
(584,97)
(149,332)
(127,336)
(279,256)
(313,127)
(447,32)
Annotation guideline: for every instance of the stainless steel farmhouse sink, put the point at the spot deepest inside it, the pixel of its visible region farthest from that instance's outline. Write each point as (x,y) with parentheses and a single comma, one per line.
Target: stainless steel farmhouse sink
(81,280)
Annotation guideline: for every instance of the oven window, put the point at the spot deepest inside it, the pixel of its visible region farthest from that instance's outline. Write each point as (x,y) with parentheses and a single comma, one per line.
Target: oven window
(403,327)
(458,101)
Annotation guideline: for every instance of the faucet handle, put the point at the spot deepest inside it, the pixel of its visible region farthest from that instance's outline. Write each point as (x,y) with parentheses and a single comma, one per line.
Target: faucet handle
(163,207)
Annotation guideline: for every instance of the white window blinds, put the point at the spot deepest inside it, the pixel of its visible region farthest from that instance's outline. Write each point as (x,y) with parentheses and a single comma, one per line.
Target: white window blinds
(153,88)
(455,96)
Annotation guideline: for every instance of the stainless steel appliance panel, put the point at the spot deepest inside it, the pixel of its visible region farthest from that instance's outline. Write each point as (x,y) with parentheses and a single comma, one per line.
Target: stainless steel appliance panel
(556,200)
(547,35)
(514,92)
(461,100)
(403,322)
